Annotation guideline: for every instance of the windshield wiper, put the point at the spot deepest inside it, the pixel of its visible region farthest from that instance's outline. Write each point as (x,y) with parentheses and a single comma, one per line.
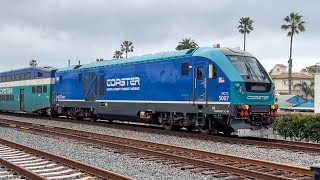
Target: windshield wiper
(248,69)
(261,72)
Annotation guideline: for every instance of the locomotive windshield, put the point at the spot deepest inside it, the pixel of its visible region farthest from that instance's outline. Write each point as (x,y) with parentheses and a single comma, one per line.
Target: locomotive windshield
(255,77)
(248,66)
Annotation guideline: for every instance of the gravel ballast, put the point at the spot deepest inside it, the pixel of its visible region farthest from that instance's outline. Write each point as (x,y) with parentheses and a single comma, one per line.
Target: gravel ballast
(274,155)
(119,163)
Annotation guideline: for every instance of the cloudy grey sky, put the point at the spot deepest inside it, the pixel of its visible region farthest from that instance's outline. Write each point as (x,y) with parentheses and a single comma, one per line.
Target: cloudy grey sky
(54,31)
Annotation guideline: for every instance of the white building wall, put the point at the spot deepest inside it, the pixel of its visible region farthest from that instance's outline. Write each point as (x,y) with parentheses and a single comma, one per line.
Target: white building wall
(317,93)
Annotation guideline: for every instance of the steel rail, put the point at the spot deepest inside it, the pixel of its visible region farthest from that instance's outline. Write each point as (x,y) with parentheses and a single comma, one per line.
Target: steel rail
(70,133)
(20,170)
(273,143)
(72,163)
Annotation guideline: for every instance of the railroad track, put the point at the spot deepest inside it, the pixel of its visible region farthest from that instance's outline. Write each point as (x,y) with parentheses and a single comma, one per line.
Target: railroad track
(22,162)
(262,142)
(205,162)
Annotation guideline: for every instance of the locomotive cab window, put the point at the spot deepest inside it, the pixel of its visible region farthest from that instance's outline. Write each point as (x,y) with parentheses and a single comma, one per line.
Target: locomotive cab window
(213,71)
(200,73)
(185,69)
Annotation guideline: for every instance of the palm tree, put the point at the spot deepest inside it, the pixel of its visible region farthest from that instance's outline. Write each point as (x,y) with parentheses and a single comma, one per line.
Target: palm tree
(245,28)
(306,88)
(186,43)
(127,46)
(294,25)
(117,54)
(33,63)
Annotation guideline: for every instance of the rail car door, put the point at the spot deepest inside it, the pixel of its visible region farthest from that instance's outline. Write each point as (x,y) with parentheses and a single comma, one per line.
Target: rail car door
(199,83)
(21,99)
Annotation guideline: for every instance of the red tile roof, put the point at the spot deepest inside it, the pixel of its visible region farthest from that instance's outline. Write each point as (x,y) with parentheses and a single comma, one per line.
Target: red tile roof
(281,65)
(294,76)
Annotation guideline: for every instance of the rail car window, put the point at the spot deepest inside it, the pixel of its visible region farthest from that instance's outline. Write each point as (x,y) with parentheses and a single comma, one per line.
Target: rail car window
(12,77)
(200,73)
(101,85)
(185,69)
(28,75)
(39,89)
(7,98)
(33,89)
(8,78)
(17,77)
(40,74)
(23,76)
(44,89)
(11,98)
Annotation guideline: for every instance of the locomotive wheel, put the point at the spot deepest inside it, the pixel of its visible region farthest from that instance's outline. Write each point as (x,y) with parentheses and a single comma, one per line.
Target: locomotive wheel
(74,117)
(93,119)
(204,129)
(169,127)
(190,128)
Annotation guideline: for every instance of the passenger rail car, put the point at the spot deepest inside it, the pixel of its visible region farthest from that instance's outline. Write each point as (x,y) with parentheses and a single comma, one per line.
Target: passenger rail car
(27,90)
(211,89)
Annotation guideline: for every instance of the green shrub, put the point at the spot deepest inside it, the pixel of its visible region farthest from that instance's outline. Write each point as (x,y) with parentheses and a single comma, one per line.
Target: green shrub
(299,126)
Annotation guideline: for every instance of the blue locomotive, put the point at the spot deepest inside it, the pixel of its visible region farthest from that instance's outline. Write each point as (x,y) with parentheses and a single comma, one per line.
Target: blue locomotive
(210,89)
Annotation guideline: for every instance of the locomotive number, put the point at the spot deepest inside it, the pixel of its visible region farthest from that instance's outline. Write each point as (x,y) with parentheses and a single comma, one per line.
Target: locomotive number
(223,98)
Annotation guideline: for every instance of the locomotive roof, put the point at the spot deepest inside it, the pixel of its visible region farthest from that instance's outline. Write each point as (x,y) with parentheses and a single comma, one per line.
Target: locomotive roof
(155,57)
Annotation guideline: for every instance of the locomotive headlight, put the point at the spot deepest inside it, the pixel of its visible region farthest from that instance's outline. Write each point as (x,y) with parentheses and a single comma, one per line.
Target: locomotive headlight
(241,91)
(238,86)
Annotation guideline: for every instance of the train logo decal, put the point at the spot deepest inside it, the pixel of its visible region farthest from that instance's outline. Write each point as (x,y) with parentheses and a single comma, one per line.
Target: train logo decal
(123,84)
(6,91)
(258,97)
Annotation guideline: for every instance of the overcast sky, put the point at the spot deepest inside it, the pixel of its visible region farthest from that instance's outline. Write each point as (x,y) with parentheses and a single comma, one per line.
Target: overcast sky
(53,31)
